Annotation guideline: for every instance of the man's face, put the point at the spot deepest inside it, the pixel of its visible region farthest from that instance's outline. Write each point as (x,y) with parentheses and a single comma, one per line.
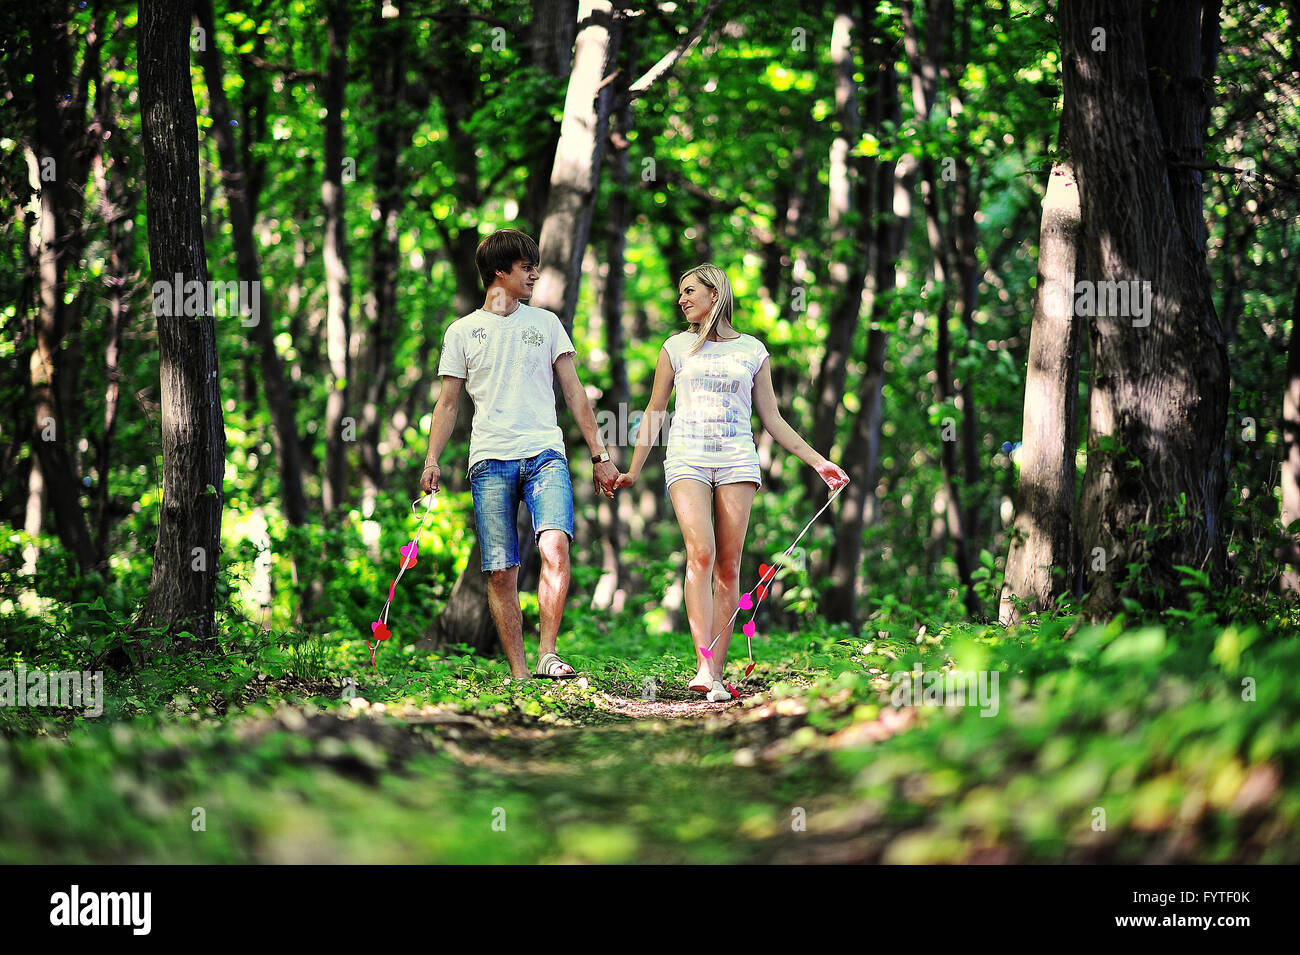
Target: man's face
(521,278)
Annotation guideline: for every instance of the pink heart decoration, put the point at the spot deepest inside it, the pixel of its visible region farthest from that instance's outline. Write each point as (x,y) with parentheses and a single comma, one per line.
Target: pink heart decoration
(708,654)
(749,629)
(746,602)
(392,587)
(411,550)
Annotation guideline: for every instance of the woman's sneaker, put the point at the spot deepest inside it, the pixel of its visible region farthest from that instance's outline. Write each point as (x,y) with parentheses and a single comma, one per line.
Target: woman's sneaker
(719,693)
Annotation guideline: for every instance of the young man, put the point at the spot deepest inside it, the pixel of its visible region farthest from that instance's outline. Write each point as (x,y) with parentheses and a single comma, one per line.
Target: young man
(507,355)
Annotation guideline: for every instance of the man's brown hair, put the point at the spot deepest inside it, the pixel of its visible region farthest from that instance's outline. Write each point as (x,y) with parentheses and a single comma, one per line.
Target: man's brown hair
(501,250)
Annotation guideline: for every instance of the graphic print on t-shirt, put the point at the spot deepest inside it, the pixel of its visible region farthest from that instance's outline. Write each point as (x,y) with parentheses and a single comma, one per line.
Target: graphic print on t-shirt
(713,380)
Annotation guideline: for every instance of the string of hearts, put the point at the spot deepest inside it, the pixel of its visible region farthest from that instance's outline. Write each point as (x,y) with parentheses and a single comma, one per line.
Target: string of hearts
(410,552)
(766,573)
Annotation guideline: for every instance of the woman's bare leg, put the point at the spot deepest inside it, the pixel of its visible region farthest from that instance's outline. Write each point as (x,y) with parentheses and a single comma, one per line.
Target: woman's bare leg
(693,502)
(733,503)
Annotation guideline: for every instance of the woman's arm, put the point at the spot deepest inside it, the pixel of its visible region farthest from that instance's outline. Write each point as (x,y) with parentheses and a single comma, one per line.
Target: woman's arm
(786,436)
(652,422)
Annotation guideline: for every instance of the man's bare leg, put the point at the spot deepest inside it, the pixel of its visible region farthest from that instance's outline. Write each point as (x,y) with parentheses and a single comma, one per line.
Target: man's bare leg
(552,588)
(503,601)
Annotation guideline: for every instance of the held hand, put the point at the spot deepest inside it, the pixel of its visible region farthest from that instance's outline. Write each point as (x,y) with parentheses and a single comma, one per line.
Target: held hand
(832,474)
(624,480)
(604,476)
(429,479)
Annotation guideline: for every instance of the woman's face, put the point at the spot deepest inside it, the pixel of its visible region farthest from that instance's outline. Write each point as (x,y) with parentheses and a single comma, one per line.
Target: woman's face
(695,299)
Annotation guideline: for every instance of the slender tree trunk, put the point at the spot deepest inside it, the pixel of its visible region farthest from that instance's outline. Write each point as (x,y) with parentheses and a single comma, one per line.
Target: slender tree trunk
(60,176)
(249,269)
(1135,117)
(117,207)
(892,190)
(610,591)
(392,130)
(338,278)
(1040,560)
(848,189)
(182,588)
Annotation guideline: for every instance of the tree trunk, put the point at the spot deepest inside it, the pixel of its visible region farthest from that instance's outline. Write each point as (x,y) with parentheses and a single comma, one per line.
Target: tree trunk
(892,190)
(848,193)
(1135,116)
(611,589)
(1042,539)
(248,267)
(576,170)
(338,278)
(182,588)
(60,176)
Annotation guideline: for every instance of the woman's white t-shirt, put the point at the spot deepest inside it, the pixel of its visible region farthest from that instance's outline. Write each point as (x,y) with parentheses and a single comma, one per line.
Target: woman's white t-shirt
(712,424)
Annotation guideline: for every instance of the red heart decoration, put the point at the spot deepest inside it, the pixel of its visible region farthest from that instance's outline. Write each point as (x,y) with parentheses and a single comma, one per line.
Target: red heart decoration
(732,690)
(380,630)
(749,669)
(761,590)
(766,572)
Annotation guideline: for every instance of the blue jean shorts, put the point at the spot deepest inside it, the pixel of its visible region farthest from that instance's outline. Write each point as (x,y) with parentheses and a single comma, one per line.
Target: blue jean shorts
(542,482)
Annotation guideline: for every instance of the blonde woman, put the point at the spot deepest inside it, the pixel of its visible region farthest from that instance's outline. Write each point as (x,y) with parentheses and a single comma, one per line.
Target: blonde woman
(711,467)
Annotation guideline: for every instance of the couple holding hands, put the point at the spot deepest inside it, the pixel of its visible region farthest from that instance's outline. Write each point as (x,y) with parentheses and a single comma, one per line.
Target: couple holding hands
(507,356)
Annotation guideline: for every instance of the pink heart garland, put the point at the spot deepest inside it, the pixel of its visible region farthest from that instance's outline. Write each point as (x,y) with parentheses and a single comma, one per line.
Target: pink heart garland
(746,602)
(749,629)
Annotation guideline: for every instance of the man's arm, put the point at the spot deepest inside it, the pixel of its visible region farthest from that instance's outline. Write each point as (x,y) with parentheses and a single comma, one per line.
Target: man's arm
(575,396)
(444,420)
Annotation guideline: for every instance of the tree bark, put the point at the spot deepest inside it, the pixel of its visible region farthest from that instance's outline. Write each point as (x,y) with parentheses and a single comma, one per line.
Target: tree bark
(182,588)
(1153,490)
(1042,538)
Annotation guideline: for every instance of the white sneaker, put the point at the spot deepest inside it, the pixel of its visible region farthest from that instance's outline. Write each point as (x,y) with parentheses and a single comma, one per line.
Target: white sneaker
(719,693)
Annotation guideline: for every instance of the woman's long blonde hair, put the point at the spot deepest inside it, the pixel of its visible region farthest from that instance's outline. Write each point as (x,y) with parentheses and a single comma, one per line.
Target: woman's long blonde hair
(711,277)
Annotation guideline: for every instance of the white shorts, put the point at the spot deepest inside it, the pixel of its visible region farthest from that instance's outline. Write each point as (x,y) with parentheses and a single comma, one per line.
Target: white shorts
(736,474)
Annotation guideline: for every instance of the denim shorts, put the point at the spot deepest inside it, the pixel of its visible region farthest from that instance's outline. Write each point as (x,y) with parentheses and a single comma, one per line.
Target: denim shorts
(737,474)
(541,482)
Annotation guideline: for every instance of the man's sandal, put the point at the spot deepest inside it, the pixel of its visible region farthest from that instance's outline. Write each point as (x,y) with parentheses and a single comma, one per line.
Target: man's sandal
(546,667)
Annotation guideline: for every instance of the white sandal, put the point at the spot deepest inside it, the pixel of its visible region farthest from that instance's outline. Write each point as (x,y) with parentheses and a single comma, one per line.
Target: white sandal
(719,693)
(702,681)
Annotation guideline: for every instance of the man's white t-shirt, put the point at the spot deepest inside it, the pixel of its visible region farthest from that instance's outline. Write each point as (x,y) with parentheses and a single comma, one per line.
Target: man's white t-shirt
(713,412)
(507,363)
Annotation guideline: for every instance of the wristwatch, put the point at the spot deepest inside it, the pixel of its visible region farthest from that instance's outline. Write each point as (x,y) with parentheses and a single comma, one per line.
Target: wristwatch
(600,458)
